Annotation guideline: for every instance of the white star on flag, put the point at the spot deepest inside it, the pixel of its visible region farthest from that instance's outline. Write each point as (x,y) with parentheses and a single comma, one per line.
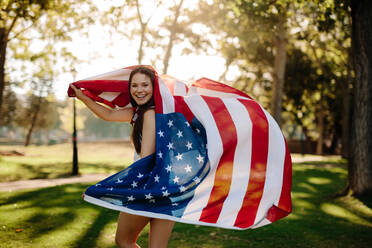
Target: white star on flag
(188,168)
(97,184)
(170,146)
(182,189)
(134,184)
(148,196)
(160,154)
(176,179)
(187,123)
(165,193)
(179,156)
(198,130)
(196,179)
(163,188)
(189,145)
(156,178)
(152,201)
(200,158)
(139,175)
(179,134)
(131,198)
(170,123)
(161,133)
(111,188)
(119,181)
(169,168)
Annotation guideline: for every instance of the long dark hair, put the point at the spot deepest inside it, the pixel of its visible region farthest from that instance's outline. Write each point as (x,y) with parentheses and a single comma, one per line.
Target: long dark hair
(140,109)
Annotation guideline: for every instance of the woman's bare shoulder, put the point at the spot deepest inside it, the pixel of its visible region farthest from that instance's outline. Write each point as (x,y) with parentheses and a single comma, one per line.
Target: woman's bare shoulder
(149,114)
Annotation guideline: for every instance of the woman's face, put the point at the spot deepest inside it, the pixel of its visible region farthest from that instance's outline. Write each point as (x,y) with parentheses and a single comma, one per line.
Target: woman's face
(141,88)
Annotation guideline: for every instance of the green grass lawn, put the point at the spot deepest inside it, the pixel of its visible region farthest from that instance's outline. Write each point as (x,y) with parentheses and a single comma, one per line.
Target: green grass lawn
(58,217)
(55,161)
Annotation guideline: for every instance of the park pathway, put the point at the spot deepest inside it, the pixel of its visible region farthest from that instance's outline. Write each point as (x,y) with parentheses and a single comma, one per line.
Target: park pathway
(42,183)
(86,178)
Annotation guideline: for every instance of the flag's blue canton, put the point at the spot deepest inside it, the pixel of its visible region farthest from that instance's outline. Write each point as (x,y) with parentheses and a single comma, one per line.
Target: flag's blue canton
(163,182)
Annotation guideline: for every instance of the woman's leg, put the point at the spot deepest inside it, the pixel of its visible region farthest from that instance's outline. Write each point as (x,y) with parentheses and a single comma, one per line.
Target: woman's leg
(128,229)
(160,231)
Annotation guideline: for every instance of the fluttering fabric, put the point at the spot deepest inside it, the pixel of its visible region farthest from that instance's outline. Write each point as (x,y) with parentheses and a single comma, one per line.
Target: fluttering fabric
(221,159)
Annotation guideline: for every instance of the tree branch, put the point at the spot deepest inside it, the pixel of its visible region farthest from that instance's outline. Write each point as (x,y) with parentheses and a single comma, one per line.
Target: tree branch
(11,26)
(20,32)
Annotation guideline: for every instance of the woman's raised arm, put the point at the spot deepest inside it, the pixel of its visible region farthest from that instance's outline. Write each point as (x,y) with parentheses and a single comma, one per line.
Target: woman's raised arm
(122,115)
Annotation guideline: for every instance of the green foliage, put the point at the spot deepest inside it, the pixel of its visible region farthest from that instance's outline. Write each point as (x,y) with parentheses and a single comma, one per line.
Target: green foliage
(47,117)
(11,104)
(316,78)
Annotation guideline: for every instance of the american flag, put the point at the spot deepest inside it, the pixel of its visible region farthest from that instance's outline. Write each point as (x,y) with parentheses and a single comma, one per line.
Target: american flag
(221,159)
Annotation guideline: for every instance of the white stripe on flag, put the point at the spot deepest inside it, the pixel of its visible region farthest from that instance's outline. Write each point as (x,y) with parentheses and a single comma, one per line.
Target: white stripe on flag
(121,74)
(201,196)
(264,222)
(214,93)
(179,88)
(242,162)
(167,98)
(274,169)
(109,96)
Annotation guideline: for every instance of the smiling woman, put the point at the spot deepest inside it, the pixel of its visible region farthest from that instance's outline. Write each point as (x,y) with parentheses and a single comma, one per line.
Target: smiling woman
(141,88)
(142,117)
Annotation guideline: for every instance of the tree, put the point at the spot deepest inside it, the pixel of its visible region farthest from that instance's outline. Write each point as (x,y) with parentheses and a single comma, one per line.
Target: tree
(47,21)
(326,40)
(360,162)
(37,112)
(261,30)
(173,32)
(10,105)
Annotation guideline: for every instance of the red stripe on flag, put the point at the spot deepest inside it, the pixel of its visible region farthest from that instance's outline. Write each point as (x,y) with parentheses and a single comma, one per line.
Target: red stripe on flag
(285,202)
(222,180)
(169,82)
(183,108)
(210,84)
(260,140)
(157,96)
(121,100)
(99,86)
(275,213)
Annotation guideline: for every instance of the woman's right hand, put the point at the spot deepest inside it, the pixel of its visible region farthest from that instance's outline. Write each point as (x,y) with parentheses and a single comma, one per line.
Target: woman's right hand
(79,94)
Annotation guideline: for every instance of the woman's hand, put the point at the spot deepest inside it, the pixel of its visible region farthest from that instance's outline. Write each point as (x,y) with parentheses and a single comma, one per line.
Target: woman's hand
(79,94)
(102,112)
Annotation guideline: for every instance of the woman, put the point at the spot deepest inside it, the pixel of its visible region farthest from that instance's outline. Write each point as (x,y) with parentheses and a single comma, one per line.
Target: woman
(141,87)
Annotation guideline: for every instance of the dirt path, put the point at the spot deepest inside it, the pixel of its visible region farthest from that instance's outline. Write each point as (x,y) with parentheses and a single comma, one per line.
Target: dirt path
(42,183)
(86,178)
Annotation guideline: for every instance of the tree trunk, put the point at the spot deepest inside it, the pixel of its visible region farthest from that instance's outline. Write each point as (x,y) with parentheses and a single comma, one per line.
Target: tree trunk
(143,32)
(33,123)
(360,162)
(140,50)
(346,117)
(171,38)
(3,45)
(279,71)
(319,144)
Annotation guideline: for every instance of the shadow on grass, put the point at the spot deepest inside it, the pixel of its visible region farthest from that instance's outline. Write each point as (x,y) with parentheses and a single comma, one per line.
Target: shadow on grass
(316,220)
(58,170)
(367,200)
